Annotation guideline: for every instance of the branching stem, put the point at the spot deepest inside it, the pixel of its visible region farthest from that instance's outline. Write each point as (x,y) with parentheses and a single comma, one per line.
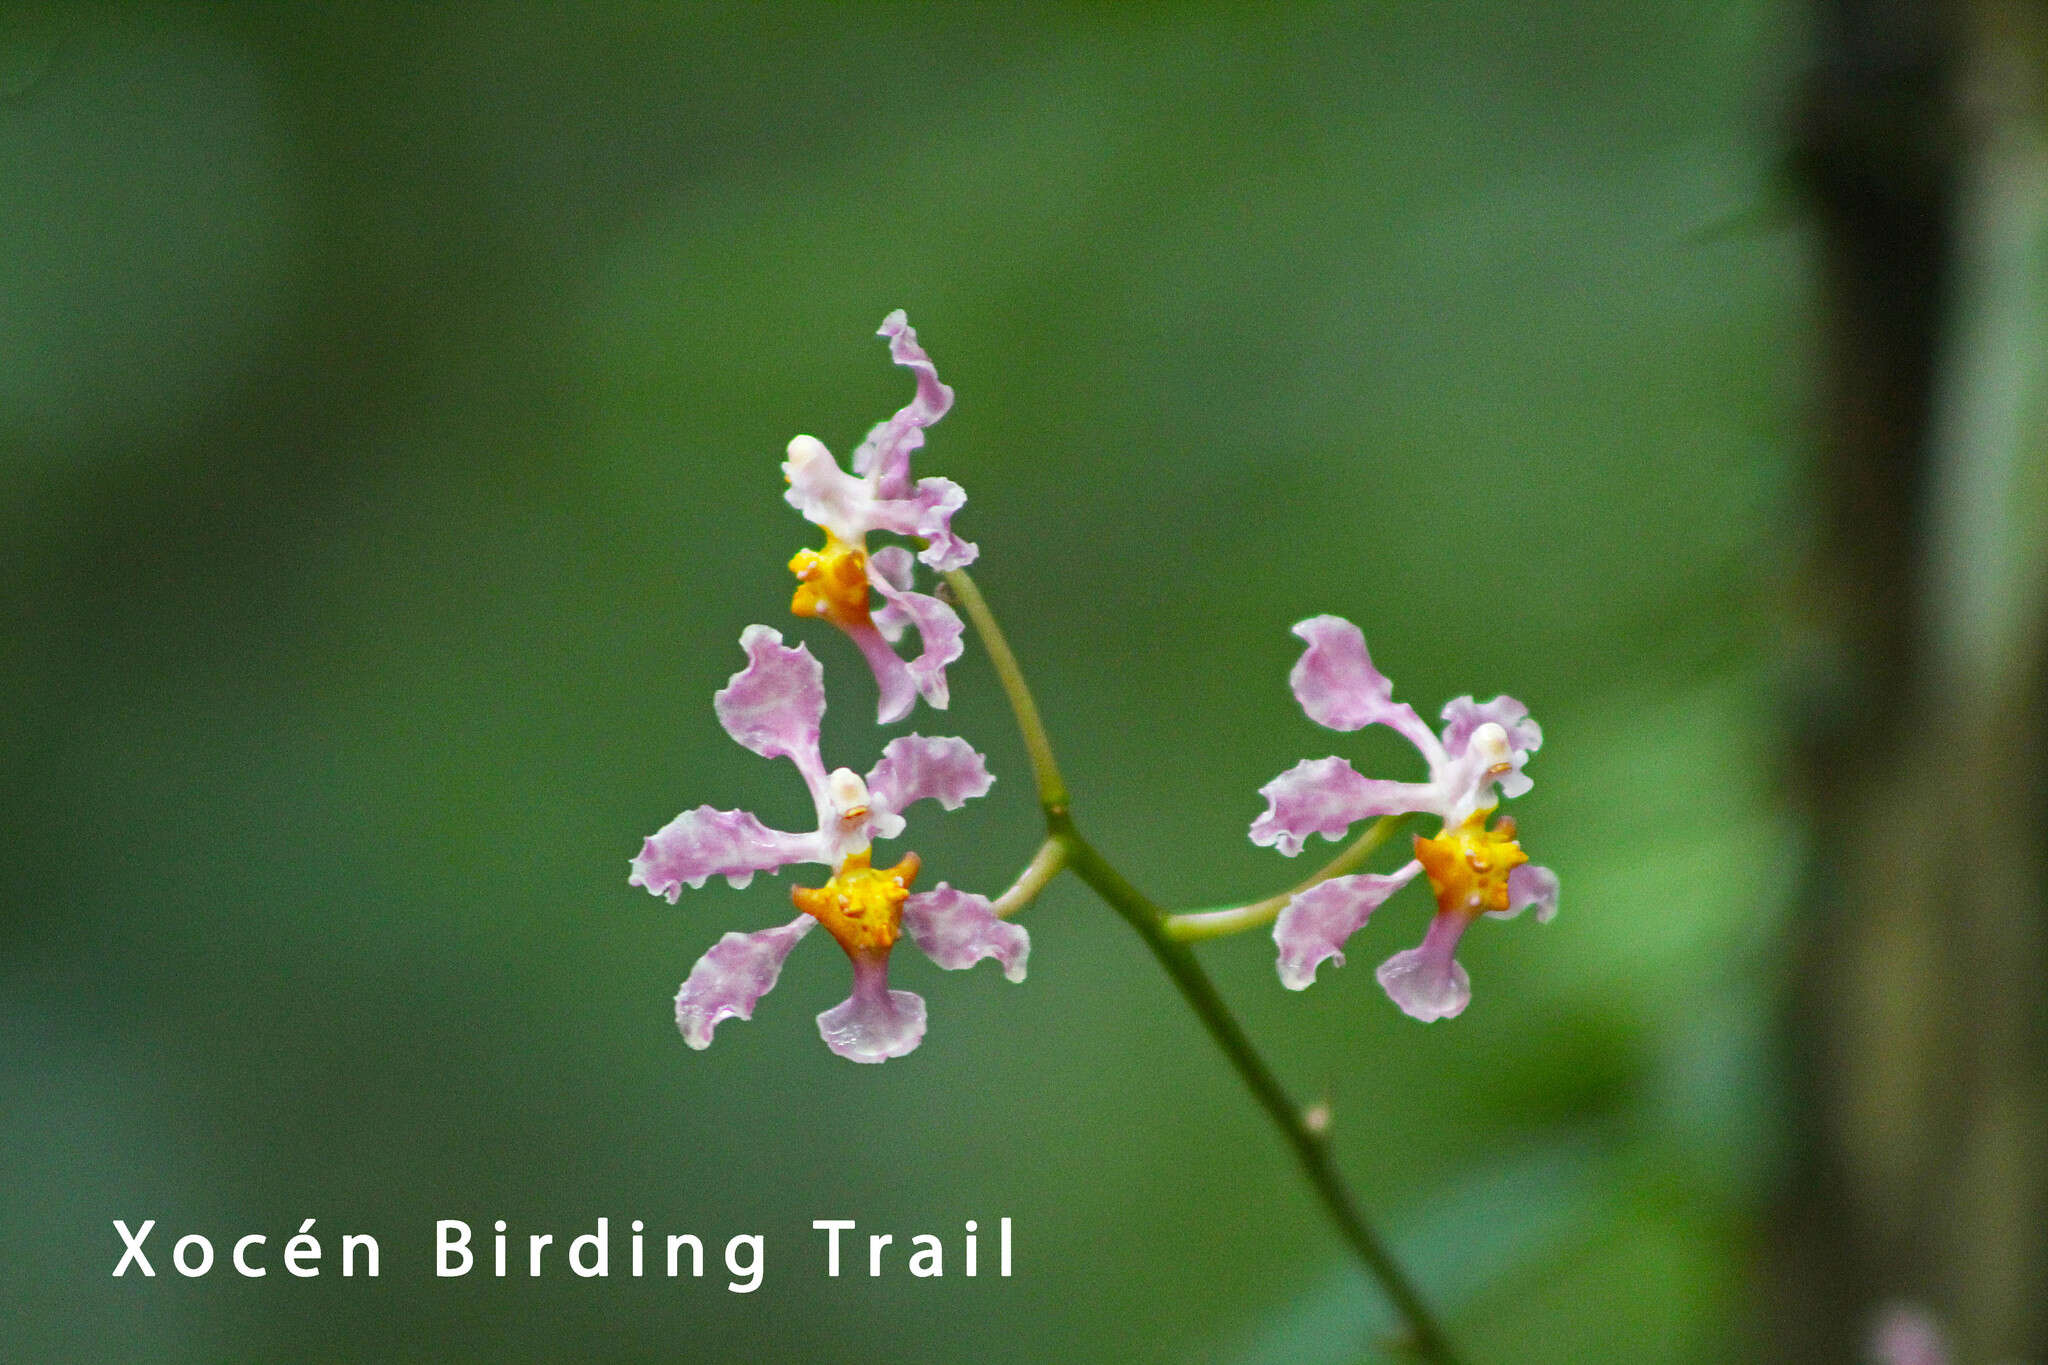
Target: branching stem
(1194,925)
(1065,846)
(1043,867)
(1052,788)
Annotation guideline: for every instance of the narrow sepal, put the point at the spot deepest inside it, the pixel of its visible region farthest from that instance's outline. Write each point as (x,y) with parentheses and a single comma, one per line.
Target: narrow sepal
(732,977)
(1315,924)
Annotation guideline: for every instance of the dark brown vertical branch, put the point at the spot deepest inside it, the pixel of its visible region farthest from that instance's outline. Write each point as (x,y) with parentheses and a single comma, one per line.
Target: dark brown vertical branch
(1913,1014)
(1876,147)
(1874,150)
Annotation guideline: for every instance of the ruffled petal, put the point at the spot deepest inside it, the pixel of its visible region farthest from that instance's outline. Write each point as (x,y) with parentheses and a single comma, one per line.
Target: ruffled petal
(1313,927)
(928,513)
(1334,679)
(1530,885)
(915,768)
(774,704)
(936,501)
(1337,686)
(1427,982)
(825,494)
(1327,796)
(1463,717)
(895,686)
(886,452)
(957,929)
(874,1023)
(891,563)
(938,630)
(736,973)
(704,843)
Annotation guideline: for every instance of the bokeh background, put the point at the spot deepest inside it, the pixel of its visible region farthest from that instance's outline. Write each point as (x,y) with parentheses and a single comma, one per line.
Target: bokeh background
(391,400)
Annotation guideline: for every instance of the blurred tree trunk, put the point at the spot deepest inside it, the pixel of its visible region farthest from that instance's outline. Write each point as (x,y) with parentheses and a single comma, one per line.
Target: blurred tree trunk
(1919,995)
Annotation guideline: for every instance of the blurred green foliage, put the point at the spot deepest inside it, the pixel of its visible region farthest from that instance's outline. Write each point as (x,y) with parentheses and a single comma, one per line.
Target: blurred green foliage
(390,402)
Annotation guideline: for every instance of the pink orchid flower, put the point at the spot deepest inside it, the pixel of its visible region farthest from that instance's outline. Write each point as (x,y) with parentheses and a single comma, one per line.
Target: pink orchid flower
(774,707)
(839,581)
(1474,870)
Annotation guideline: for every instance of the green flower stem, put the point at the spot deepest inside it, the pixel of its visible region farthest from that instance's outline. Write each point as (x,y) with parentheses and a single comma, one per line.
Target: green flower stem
(1052,788)
(1306,1136)
(1043,867)
(1194,925)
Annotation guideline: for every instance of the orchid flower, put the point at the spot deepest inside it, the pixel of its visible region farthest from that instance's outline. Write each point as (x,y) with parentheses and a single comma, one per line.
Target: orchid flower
(1474,869)
(774,707)
(835,582)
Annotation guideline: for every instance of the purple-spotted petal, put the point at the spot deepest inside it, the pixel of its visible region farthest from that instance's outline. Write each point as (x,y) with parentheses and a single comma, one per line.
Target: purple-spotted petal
(939,632)
(774,704)
(705,843)
(887,450)
(1313,927)
(1337,686)
(957,929)
(1530,885)
(1327,796)
(895,686)
(944,768)
(1427,982)
(736,973)
(874,1023)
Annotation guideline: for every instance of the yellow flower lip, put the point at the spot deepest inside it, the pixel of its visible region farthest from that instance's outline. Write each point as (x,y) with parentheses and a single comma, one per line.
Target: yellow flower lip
(832,583)
(1468,865)
(862,905)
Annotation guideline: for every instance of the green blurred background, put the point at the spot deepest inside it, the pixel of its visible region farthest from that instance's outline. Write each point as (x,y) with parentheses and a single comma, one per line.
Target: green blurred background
(391,402)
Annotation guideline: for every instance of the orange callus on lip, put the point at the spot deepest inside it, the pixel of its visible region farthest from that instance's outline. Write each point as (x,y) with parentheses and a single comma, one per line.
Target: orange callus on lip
(832,583)
(1468,866)
(862,906)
